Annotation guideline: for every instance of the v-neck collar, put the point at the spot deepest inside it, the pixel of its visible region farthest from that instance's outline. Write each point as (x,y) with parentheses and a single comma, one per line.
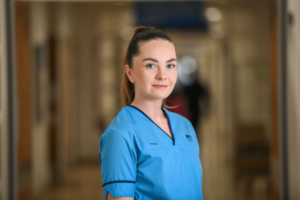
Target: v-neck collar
(169,122)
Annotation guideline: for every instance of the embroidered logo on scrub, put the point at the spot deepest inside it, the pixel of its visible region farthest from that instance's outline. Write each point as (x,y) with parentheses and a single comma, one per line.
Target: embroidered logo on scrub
(189,138)
(153,143)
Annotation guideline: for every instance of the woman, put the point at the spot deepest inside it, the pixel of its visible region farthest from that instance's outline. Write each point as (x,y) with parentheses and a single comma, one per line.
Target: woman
(148,152)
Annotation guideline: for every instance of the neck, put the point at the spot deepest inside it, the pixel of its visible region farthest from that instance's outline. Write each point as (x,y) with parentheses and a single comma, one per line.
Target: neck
(150,107)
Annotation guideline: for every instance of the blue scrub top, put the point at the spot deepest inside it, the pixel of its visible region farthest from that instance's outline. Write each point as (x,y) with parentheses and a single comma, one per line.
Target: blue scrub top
(138,159)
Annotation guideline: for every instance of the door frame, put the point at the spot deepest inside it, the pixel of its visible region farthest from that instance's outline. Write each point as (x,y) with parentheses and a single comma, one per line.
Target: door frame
(10,134)
(3,106)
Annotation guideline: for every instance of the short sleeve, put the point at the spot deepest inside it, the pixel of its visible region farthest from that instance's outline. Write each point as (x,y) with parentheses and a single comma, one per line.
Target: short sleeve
(117,158)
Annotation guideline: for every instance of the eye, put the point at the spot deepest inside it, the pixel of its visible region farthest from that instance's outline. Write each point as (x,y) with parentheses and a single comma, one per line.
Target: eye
(170,66)
(151,66)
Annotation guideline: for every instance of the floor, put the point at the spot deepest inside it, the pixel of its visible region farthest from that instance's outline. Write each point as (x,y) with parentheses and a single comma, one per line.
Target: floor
(81,183)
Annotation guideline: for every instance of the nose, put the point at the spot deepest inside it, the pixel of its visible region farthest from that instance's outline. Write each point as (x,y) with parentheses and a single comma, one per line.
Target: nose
(161,74)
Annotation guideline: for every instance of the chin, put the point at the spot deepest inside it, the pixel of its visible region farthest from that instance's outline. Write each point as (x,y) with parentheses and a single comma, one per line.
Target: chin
(161,95)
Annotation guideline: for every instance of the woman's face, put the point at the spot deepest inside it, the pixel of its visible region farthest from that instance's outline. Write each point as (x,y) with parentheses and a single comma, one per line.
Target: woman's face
(154,72)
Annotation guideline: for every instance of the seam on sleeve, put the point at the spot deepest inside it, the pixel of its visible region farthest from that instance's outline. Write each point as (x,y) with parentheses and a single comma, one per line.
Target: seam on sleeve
(120,181)
(125,138)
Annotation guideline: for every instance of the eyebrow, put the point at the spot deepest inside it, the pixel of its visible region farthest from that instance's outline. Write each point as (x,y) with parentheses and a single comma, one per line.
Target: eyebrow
(172,59)
(154,60)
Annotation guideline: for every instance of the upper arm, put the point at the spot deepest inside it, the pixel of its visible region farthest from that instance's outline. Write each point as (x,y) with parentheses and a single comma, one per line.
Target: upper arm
(118,160)
(110,197)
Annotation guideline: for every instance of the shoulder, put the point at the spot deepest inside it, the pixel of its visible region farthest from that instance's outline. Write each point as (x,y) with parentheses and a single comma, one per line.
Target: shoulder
(121,125)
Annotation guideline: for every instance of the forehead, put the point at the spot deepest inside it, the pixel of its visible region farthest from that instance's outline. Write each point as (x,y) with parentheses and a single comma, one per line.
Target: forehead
(157,48)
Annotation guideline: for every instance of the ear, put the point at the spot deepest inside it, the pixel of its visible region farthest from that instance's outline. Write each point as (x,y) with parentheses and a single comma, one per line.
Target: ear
(129,73)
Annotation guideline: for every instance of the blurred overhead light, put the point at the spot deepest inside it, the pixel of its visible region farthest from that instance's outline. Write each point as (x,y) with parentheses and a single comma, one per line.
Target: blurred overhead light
(188,64)
(127,33)
(186,68)
(212,14)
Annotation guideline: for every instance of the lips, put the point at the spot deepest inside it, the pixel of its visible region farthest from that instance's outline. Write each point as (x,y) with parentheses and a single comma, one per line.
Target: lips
(160,86)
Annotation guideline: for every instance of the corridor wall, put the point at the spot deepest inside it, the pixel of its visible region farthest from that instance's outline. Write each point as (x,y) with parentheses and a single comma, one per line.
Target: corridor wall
(41,176)
(293,97)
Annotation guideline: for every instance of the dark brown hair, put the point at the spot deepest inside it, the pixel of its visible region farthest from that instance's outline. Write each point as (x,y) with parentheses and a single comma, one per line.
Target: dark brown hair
(141,34)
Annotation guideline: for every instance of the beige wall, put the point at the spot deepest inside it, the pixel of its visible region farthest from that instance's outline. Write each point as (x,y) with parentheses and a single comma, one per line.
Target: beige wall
(84,16)
(87,56)
(64,90)
(99,48)
(40,159)
(242,84)
(293,98)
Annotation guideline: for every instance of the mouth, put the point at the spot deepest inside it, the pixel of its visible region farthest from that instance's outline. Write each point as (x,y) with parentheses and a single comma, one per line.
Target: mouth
(160,86)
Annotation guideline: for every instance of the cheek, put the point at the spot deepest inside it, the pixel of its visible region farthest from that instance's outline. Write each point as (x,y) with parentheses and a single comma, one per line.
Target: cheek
(173,76)
(144,79)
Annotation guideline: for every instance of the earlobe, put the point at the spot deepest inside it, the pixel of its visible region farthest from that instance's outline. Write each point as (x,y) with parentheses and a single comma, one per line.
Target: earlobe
(128,71)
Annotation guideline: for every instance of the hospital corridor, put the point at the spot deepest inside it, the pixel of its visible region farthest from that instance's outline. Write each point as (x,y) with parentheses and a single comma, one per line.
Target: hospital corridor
(238,84)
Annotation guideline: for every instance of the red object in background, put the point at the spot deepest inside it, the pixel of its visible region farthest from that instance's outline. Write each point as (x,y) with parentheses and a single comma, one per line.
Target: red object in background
(176,99)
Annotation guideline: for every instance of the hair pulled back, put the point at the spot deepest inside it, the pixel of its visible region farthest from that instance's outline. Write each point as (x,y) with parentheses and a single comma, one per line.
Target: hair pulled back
(141,34)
